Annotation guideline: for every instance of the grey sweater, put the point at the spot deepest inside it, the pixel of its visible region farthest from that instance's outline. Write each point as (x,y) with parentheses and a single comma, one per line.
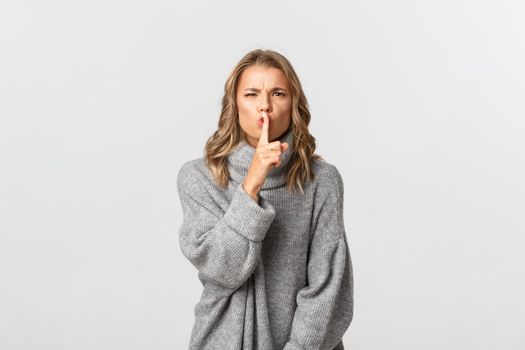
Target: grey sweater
(276,274)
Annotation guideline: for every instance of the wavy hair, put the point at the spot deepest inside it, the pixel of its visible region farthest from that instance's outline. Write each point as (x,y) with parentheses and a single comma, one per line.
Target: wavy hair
(229,133)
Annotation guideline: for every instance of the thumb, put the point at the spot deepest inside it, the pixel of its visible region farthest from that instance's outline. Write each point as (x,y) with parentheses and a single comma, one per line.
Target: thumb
(284,146)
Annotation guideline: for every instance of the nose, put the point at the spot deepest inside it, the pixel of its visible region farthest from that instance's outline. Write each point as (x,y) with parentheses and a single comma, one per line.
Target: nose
(264,105)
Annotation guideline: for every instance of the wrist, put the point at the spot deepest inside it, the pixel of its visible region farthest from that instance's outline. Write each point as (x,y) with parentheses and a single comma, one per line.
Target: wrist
(251,190)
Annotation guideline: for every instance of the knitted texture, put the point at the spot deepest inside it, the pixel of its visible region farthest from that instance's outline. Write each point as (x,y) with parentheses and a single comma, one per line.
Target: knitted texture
(276,274)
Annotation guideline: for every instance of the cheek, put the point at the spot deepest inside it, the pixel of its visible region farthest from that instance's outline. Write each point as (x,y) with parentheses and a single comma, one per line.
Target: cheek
(243,106)
(285,106)
(244,115)
(242,109)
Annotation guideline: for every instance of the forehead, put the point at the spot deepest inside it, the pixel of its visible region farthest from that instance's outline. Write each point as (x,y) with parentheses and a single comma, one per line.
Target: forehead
(257,76)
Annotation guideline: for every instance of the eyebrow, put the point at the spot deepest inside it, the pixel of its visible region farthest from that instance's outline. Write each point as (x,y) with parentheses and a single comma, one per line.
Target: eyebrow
(257,90)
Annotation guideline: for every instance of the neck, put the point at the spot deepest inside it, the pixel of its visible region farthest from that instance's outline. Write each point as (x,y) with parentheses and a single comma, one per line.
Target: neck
(239,160)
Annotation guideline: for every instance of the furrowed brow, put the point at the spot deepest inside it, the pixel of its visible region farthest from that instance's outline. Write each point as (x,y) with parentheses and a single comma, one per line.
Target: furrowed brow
(258,90)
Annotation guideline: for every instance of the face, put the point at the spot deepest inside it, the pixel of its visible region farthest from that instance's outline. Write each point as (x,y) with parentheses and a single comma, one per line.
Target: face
(263,89)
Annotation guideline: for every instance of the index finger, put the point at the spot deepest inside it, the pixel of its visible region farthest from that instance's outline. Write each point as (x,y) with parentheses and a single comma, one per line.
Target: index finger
(263,139)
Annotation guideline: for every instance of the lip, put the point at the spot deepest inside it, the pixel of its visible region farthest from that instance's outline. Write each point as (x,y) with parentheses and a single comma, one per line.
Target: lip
(261,119)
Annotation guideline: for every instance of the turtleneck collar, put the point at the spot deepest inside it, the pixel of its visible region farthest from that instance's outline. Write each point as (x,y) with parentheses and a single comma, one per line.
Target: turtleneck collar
(239,160)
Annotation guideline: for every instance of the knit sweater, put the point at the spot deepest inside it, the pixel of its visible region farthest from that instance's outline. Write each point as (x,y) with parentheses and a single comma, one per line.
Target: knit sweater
(277,273)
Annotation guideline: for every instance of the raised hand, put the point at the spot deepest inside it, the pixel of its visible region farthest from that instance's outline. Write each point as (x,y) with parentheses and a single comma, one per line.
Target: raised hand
(265,157)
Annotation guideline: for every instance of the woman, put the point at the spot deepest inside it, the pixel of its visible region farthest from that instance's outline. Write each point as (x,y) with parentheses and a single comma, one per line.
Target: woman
(263,221)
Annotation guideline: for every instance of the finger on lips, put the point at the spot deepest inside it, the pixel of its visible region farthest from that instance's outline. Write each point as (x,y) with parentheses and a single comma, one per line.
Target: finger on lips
(263,139)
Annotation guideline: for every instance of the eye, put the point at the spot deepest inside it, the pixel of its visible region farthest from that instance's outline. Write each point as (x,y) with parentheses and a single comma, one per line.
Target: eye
(253,94)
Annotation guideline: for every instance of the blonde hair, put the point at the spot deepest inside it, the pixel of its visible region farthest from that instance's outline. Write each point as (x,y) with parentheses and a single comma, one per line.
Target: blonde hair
(229,133)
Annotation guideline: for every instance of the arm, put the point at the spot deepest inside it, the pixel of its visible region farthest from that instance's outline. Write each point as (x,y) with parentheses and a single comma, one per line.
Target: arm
(325,305)
(224,246)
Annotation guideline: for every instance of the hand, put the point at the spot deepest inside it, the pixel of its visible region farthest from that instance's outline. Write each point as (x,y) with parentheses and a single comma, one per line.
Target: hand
(265,157)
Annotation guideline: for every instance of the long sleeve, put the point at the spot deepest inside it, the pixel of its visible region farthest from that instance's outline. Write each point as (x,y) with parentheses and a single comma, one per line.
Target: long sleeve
(224,246)
(325,305)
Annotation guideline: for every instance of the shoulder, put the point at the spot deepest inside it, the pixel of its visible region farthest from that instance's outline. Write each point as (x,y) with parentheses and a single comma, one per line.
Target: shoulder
(196,186)
(328,202)
(328,178)
(193,175)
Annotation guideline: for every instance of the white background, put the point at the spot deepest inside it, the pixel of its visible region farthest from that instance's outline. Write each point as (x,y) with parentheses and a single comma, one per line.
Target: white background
(420,105)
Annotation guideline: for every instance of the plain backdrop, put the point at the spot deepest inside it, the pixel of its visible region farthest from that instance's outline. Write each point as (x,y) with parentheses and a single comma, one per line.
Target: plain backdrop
(419,104)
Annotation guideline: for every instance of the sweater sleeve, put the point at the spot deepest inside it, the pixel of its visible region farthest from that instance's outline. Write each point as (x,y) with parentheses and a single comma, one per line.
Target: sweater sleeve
(224,246)
(325,305)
